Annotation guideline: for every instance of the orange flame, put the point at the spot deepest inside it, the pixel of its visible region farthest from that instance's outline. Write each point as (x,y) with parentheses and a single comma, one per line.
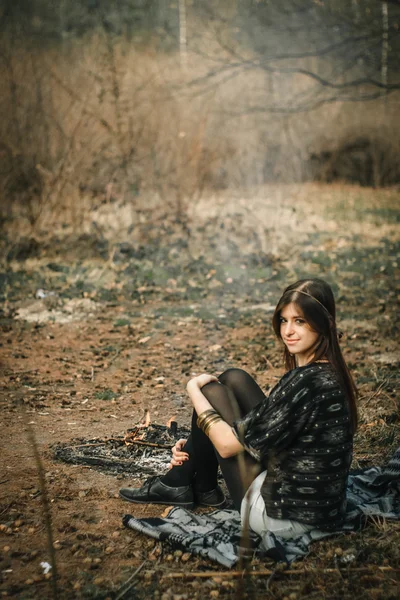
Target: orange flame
(170,421)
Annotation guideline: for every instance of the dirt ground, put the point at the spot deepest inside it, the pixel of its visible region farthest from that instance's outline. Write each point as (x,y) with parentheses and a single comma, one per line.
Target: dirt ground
(98,329)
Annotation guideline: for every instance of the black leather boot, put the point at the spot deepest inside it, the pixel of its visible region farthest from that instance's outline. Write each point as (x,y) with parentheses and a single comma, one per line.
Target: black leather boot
(214,498)
(154,491)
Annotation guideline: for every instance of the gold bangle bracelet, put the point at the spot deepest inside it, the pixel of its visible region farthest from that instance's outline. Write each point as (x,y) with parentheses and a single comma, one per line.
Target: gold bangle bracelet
(207,430)
(207,423)
(204,416)
(208,419)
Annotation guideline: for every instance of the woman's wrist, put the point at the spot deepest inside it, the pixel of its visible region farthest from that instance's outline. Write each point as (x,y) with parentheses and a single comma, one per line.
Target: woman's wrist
(192,385)
(200,381)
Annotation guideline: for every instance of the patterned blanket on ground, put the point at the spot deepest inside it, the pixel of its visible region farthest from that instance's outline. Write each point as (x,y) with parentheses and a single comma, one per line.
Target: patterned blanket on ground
(217,536)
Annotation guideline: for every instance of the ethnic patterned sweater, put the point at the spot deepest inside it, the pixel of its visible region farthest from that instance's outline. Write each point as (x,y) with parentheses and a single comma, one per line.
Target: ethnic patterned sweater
(302,435)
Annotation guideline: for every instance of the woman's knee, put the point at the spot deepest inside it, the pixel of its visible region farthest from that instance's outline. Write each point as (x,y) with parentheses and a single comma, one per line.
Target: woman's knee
(234,378)
(214,392)
(222,400)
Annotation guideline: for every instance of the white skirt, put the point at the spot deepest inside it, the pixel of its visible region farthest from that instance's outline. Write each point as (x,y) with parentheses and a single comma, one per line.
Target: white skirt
(260,522)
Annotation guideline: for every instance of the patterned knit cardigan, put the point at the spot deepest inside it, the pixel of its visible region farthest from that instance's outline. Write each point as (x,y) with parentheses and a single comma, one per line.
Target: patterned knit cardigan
(302,435)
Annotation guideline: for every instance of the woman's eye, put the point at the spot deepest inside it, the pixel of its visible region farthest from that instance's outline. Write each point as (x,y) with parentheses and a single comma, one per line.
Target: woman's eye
(300,321)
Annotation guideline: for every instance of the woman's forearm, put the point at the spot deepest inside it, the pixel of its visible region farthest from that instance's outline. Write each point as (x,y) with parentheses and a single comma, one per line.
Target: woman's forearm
(221,434)
(224,440)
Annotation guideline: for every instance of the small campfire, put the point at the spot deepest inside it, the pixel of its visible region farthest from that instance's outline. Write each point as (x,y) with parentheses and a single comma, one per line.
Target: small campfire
(143,450)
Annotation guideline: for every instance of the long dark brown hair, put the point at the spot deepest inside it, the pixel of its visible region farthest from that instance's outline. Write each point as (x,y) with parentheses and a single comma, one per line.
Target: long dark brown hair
(315,299)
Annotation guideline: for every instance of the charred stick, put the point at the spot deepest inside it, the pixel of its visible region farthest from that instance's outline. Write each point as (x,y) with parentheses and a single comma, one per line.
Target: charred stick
(94,443)
(153,445)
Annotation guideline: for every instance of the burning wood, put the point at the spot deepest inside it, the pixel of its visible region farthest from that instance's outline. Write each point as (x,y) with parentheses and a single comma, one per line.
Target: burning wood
(148,435)
(143,450)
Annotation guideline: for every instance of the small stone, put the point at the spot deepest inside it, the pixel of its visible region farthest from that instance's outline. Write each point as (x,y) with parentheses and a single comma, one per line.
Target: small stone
(109,550)
(6,549)
(116,534)
(152,557)
(98,580)
(293,596)
(29,581)
(97,561)
(77,585)
(178,553)
(48,576)
(31,530)
(186,556)
(169,557)
(87,560)
(148,575)
(57,546)
(217,580)
(338,551)
(37,578)
(214,594)
(18,523)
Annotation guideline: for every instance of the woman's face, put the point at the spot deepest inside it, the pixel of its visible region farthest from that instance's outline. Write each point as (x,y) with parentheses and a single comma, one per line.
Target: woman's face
(297,334)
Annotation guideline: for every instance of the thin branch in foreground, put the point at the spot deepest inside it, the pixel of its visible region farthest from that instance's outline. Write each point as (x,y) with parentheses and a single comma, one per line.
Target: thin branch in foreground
(45,505)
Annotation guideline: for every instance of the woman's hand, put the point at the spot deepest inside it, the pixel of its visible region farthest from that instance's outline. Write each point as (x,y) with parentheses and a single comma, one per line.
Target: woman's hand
(200,381)
(178,456)
(193,388)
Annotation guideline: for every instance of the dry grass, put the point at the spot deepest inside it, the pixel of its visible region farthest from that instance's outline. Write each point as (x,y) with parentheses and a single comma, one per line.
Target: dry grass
(102,120)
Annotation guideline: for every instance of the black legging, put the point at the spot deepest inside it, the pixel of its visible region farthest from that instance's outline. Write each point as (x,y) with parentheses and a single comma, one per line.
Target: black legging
(235,395)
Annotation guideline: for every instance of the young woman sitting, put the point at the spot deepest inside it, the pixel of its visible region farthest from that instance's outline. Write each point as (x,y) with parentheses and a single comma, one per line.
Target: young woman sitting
(285,457)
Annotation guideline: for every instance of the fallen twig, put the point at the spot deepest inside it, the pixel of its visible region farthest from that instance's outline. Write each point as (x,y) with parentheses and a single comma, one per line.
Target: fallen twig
(128,582)
(268,573)
(376,393)
(5,509)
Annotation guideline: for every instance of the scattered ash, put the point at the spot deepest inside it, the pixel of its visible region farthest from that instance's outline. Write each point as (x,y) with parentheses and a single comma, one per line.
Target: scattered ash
(143,450)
